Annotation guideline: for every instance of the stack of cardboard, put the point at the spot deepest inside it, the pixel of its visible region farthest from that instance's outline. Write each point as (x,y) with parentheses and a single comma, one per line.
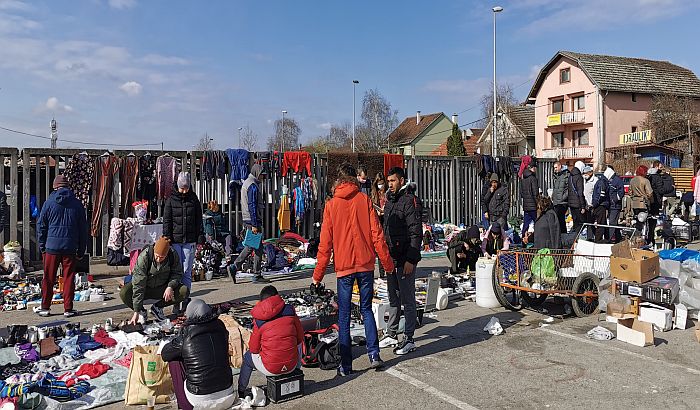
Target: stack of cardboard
(644,300)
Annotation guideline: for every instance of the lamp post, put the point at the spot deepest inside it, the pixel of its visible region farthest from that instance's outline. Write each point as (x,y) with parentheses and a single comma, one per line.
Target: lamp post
(239,136)
(284,112)
(494,138)
(354,83)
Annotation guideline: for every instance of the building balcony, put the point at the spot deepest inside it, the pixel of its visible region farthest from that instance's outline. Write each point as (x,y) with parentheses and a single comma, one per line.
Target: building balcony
(568,152)
(563,118)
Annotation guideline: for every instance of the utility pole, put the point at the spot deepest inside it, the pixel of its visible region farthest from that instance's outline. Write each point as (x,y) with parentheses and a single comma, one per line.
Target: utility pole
(54,133)
(494,137)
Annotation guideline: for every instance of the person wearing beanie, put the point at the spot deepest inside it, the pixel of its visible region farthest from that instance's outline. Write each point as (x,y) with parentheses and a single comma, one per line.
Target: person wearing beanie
(494,239)
(198,359)
(496,202)
(252,205)
(464,249)
(156,275)
(62,238)
(182,224)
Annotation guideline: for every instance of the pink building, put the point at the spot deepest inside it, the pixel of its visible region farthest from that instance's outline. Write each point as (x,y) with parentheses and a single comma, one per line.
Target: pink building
(586,103)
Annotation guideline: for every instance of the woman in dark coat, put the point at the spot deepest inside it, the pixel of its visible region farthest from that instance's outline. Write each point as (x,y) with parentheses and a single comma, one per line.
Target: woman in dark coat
(547,233)
(464,250)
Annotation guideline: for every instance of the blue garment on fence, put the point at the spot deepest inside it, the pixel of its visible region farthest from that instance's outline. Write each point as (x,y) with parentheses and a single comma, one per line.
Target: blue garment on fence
(238,162)
(299,208)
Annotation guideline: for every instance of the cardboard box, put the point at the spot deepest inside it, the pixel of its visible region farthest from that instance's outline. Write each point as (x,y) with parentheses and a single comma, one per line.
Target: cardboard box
(629,288)
(680,319)
(635,332)
(613,319)
(659,316)
(662,290)
(618,309)
(642,267)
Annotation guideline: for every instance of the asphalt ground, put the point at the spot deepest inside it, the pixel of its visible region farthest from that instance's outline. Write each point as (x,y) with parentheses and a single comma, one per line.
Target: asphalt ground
(458,365)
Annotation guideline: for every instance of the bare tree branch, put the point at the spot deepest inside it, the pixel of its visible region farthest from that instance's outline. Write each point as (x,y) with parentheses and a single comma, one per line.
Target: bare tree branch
(249,139)
(205,143)
(292,132)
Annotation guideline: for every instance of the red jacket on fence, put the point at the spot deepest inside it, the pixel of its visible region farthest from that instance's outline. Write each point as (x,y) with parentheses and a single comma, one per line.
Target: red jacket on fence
(276,334)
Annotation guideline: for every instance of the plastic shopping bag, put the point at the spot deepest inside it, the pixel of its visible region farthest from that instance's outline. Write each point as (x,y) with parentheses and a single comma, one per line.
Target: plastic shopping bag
(543,267)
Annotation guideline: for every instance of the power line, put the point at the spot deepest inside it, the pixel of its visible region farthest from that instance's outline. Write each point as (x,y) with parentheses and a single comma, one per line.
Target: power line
(479,104)
(81,142)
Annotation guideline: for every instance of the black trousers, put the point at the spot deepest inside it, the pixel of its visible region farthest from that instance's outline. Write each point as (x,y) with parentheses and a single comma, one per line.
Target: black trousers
(561,215)
(600,217)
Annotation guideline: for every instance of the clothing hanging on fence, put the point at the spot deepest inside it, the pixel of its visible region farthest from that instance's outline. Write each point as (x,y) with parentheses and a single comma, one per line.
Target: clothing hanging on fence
(308,187)
(391,161)
(504,167)
(238,160)
(299,205)
(264,159)
(284,215)
(479,162)
(129,172)
(166,171)
(489,164)
(297,161)
(146,184)
(106,166)
(79,173)
(214,165)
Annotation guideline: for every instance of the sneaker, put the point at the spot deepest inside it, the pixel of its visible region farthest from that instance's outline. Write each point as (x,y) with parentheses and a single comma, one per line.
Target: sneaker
(388,341)
(158,313)
(406,346)
(70,313)
(143,317)
(376,363)
(43,312)
(260,279)
(344,373)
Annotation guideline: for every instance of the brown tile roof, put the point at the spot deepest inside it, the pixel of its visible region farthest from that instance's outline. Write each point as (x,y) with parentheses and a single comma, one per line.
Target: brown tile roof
(524,118)
(630,75)
(408,130)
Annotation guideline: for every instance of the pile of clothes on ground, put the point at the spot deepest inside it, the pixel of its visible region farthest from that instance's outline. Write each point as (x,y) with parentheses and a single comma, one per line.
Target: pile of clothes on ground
(282,256)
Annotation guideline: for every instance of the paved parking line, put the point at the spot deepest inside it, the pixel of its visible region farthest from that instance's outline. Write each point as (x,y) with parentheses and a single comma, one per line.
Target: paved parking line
(619,350)
(429,389)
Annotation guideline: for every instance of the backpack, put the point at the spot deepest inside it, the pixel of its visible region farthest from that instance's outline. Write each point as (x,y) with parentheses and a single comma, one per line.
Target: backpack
(318,353)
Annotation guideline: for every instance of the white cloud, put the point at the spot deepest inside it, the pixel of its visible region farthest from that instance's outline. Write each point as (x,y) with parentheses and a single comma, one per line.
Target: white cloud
(157,59)
(15,5)
(52,104)
(131,88)
(122,4)
(325,126)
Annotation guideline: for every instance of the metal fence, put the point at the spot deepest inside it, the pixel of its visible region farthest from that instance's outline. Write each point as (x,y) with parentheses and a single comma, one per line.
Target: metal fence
(449,186)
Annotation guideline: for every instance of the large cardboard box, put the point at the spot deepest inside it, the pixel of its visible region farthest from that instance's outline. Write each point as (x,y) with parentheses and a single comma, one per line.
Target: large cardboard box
(642,267)
(662,290)
(636,332)
(659,316)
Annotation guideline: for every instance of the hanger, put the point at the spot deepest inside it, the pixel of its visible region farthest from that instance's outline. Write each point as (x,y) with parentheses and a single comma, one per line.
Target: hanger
(83,153)
(167,154)
(131,154)
(106,154)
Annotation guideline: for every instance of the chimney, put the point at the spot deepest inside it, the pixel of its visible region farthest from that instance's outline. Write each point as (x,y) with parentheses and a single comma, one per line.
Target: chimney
(464,134)
(454,118)
(417,117)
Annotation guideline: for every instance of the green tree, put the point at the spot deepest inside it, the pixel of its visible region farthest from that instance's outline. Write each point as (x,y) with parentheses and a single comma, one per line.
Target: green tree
(455,146)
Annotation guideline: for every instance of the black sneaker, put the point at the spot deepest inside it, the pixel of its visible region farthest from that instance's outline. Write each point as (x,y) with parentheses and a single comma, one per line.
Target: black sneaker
(406,347)
(158,313)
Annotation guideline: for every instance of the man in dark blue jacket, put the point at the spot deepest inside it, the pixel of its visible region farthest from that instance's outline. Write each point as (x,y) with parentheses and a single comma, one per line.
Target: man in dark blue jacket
(601,204)
(62,236)
(252,208)
(616,191)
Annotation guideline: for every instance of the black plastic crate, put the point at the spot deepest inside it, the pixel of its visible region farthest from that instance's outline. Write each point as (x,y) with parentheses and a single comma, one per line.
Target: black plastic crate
(286,387)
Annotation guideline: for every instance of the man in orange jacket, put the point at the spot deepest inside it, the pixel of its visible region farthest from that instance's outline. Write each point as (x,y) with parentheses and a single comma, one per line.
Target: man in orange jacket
(352,232)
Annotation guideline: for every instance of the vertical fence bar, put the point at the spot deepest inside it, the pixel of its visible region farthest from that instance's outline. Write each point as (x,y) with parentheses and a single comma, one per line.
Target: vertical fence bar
(26,216)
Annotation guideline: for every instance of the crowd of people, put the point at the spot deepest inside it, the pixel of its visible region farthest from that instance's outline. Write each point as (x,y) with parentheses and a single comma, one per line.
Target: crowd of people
(364,219)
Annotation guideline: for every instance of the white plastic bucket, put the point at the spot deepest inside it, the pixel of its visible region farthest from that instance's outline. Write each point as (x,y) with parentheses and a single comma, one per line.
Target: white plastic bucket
(485,296)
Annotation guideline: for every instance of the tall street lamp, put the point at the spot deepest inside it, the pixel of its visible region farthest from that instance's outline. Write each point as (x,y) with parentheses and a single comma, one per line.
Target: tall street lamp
(354,83)
(284,112)
(496,10)
(239,137)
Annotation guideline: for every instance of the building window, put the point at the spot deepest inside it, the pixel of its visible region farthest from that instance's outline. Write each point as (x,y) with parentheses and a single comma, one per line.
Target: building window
(558,105)
(557,139)
(581,137)
(564,75)
(634,129)
(634,97)
(579,102)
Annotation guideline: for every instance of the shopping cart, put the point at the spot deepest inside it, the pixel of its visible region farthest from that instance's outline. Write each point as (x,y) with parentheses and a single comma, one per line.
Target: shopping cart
(526,277)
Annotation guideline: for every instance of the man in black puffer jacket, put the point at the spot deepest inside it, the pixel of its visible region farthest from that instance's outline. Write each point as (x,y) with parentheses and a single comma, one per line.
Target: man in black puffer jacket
(182,224)
(403,231)
(576,197)
(199,354)
(497,202)
(529,191)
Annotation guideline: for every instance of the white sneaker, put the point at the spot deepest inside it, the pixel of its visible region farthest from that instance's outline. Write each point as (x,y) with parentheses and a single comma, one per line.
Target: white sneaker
(406,346)
(388,341)
(143,317)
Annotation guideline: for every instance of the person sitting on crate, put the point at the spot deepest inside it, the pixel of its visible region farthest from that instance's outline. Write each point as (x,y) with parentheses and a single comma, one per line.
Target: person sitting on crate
(464,250)
(157,275)
(275,345)
(199,360)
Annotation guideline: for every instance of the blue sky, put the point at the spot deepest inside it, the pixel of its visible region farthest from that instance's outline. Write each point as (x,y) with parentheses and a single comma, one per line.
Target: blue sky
(137,71)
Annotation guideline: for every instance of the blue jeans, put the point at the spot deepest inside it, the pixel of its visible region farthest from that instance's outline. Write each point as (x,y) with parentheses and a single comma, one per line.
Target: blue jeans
(366,283)
(528,217)
(186,253)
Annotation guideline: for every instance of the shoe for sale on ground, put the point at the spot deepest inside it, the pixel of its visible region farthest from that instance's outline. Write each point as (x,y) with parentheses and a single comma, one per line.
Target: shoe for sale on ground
(376,363)
(143,317)
(70,313)
(388,341)
(260,279)
(406,346)
(43,312)
(158,313)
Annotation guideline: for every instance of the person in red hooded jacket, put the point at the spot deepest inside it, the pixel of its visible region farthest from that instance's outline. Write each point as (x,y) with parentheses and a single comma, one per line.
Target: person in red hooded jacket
(274,347)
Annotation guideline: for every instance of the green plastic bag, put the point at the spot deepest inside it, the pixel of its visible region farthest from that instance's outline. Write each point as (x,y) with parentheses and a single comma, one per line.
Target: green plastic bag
(542,268)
